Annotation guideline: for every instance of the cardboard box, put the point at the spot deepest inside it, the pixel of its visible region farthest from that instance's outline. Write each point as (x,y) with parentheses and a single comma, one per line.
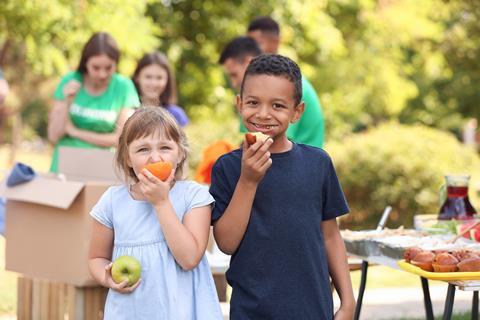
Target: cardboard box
(48,225)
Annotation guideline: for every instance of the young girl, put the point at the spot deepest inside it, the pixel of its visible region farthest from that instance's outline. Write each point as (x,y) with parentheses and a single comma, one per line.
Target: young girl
(155,85)
(164,225)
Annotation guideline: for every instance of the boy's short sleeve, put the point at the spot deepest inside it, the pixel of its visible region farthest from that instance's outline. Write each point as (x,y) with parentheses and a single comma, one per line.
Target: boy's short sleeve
(220,191)
(334,202)
(199,196)
(102,211)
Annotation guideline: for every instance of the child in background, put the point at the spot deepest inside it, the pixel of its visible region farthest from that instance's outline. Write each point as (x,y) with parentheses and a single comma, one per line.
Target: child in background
(275,207)
(164,225)
(155,85)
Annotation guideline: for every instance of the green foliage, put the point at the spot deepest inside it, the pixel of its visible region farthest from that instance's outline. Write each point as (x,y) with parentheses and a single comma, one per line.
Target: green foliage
(398,165)
(373,82)
(50,44)
(370,61)
(33,116)
(42,40)
(448,77)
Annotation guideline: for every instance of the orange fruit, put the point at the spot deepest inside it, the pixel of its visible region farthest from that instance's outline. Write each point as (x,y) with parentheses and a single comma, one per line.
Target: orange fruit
(160,169)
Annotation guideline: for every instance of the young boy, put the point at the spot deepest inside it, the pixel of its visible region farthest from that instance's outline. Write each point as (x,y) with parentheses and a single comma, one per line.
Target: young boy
(275,209)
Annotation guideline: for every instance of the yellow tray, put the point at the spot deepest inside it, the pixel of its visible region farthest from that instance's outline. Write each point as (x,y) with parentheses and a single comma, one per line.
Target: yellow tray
(444,276)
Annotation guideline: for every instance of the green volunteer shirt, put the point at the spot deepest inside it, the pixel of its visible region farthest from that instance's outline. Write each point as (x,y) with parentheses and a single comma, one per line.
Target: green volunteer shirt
(97,113)
(310,129)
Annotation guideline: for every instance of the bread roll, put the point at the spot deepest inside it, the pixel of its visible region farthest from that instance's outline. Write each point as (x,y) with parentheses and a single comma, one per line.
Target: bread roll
(410,253)
(445,259)
(469,265)
(424,260)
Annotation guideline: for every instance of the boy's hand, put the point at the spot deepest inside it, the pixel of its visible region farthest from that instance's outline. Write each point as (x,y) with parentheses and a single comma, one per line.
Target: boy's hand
(119,287)
(255,160)
(155,190)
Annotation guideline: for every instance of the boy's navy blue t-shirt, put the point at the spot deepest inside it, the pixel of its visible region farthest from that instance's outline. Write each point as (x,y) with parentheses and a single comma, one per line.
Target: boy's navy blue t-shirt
(280,269)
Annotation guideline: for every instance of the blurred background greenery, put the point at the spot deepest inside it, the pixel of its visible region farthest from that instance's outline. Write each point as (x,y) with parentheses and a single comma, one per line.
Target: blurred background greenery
(398,79)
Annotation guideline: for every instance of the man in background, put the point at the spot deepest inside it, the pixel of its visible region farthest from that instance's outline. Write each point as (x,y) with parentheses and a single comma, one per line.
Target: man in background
(266,32)
(235,58)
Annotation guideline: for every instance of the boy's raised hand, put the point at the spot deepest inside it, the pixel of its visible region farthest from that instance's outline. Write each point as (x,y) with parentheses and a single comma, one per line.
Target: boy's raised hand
(255,160)
(119,287)
(154,189)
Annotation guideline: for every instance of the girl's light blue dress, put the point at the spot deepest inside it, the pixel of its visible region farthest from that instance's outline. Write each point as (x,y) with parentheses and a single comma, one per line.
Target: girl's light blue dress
(167,291)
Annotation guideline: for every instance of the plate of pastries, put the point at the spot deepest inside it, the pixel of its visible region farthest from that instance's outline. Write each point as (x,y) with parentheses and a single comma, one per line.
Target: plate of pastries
(441,264)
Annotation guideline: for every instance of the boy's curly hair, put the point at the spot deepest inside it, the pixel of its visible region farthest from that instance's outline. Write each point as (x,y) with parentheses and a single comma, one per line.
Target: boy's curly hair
(276,65)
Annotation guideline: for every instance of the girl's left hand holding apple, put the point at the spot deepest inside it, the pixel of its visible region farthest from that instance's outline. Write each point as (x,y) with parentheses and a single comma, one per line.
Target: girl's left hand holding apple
(119,287)
(155,190)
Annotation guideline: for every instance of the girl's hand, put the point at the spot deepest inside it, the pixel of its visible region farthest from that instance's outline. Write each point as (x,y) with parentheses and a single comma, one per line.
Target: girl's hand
(155,190)
(70,89)
(255,160)
(119,287)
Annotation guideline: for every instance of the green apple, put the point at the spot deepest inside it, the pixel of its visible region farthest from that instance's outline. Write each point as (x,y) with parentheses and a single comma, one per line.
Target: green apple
(126,267)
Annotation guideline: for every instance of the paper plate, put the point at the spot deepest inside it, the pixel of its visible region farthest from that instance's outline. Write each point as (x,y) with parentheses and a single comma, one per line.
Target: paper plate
(444,276)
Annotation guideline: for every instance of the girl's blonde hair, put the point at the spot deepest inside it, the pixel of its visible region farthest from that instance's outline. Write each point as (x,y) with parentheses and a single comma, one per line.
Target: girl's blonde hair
(144,122)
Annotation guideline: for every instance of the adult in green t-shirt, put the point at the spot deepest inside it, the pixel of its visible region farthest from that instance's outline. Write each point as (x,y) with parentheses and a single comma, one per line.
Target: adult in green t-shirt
(309,129)
(91,104)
